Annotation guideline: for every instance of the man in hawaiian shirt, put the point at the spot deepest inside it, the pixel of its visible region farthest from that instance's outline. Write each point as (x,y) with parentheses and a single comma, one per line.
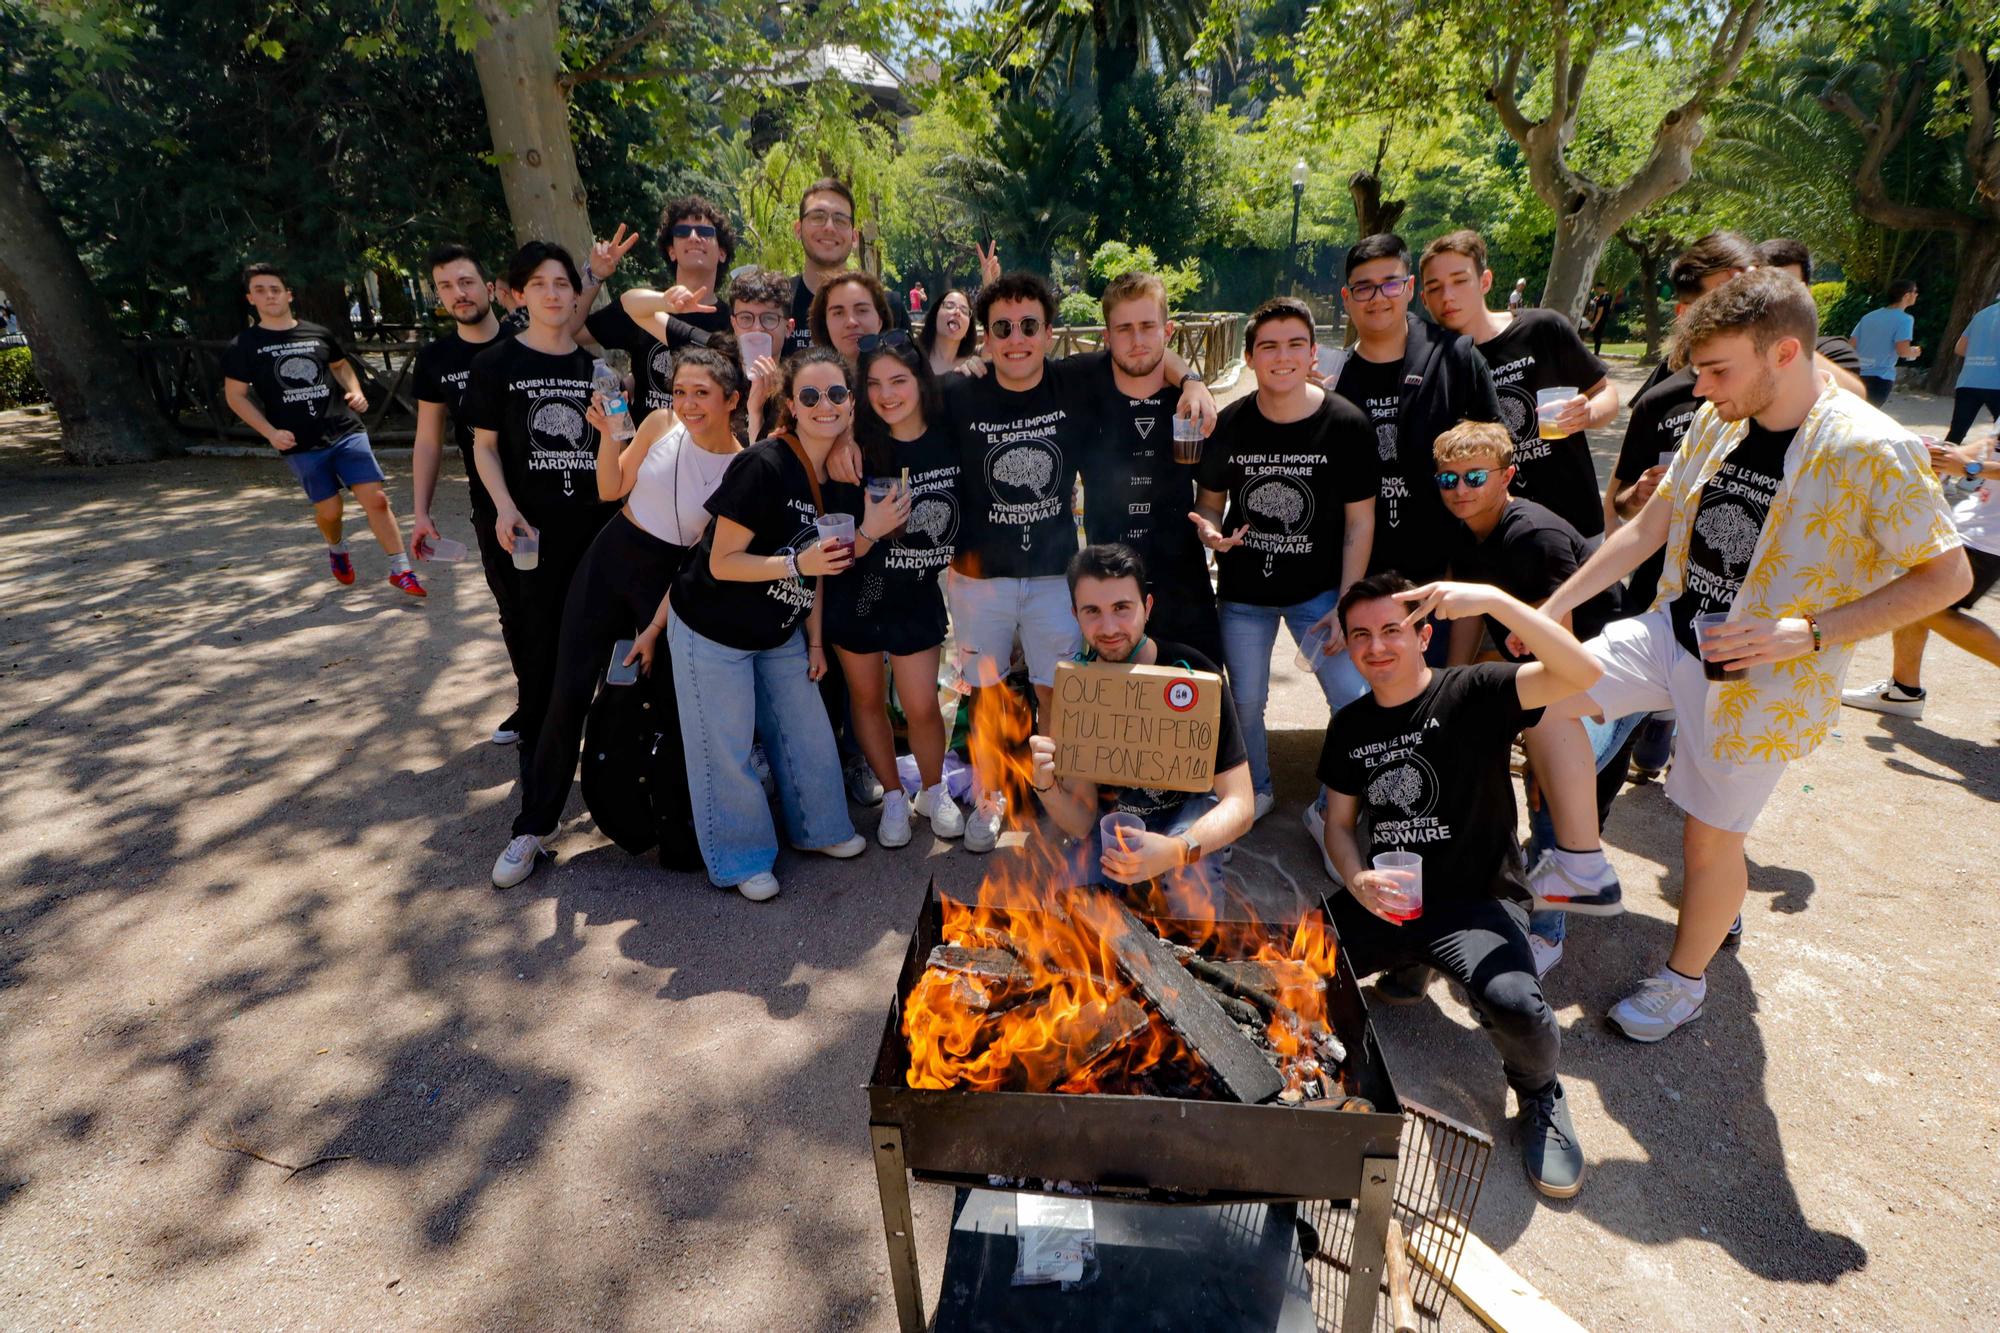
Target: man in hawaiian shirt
(1812,521)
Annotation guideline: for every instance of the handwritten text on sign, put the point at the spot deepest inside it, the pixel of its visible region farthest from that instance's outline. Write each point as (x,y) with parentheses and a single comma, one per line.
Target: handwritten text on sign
(1136,726)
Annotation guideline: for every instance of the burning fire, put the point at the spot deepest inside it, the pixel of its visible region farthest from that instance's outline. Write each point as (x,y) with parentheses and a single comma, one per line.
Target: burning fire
(1028,995)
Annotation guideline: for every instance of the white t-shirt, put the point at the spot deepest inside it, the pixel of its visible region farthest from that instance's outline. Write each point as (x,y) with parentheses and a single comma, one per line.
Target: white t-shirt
(1978,517)
(675,480)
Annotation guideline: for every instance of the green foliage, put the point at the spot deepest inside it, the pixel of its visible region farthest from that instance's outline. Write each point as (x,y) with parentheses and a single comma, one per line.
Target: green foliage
(1078,309)
(1027,186)
(1841,306)
(1113,259)
(1150,178)
(19,385)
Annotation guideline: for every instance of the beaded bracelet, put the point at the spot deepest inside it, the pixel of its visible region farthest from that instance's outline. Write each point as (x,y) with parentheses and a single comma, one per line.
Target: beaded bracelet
(1812,623)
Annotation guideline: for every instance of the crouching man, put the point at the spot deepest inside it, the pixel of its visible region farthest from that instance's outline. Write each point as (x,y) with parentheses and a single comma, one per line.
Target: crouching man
(1425,751)
(1107,591)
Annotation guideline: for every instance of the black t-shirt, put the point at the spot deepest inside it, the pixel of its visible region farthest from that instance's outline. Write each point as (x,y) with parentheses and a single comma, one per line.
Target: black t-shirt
(1433,775)
(1841,352)
(1291,482)
(652,360)
(536,403)
(1539,350)
(1402,518)
(899,577)
(767,491)
(1727,523)
(1229,752)
(290,370)
(1529,553)
(1019,454)
(442,370)
(1134,492)
(801,336)
(1660,419)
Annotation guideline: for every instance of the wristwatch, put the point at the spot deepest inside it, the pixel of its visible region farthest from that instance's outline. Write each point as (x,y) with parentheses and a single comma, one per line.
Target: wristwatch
(1193,845)
(1975,468)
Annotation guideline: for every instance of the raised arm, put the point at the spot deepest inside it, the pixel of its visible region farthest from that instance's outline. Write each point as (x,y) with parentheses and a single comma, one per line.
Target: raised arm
(1561,666)
(1622,552)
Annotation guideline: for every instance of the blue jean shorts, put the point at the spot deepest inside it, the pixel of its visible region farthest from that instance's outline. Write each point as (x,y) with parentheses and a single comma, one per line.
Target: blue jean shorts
(348,462)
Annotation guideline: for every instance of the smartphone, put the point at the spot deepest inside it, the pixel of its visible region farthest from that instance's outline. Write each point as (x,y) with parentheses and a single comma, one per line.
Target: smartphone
(620,671)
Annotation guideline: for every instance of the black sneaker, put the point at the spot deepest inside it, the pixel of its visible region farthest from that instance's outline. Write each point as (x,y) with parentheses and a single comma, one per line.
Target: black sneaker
(1404,985)
(1549,1149)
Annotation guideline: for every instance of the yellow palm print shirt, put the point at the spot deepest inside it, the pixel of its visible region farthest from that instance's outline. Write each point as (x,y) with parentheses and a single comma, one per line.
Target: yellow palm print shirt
(1857,507)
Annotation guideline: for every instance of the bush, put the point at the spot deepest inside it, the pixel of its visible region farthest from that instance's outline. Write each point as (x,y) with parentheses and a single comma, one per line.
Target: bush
(1079,308)
(1114,259)
(1841,306)
(18,384)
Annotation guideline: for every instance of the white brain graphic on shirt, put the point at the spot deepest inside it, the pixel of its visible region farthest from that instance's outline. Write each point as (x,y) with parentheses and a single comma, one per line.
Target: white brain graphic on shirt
(1730,532)
(1276,500)
(1385,443)
(559,420)
(1030,469)
(1399,786)
(931,518)
(299,370)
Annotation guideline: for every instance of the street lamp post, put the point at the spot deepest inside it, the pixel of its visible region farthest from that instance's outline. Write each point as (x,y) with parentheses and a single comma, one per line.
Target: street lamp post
(1298,197)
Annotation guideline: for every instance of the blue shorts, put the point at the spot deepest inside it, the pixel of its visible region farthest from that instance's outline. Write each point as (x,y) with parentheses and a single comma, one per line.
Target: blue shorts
(348,462)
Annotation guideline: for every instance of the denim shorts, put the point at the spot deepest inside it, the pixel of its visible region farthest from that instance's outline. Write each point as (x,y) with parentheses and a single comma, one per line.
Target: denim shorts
(348,462)
(987,615)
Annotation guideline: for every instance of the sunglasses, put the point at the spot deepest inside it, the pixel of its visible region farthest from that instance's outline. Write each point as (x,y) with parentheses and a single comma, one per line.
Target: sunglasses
(1390,287)
(820,217)
(1474,478)
(868,342)
(808,396)
(1003,329)
(750,319)
(682,230)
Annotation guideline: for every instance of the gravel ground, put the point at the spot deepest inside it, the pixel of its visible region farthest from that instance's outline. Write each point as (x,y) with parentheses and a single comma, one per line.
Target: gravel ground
(243,906)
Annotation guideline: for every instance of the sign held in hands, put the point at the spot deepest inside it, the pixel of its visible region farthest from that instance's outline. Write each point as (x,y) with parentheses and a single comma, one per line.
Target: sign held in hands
(1122,725)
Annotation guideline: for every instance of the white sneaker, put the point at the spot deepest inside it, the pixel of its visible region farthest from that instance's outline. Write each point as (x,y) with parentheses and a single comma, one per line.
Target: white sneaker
(1657,1008)
(1547,953)
(1315,823)
(894,830)
(982,830)
(506,736)
(518,861)
(759,888)
(854,846)
(760,764)
(936,805)
(1885,696)
(1263,805)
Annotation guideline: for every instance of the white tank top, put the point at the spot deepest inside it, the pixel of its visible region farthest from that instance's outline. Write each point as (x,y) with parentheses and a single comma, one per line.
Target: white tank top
(675,480)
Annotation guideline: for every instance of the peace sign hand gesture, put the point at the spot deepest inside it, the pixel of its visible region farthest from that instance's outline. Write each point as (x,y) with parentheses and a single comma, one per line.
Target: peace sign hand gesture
(681,300)
(604,255)
(989,260)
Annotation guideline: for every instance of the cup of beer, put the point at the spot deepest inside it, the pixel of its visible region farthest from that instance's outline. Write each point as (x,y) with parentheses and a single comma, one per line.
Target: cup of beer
(1187,440)
(1549,406)
(1707,621)
(527,547)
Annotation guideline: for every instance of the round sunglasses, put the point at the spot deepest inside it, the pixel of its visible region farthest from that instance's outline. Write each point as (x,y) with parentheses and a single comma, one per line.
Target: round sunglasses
(808,395)
(1003,329)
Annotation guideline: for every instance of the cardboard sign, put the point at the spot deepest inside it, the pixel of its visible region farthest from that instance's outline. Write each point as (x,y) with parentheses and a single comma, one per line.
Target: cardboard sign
(1136,726)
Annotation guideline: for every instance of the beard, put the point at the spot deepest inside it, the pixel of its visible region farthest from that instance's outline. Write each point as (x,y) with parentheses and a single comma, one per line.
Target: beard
(1760,394)
(1141,369)
(484,308)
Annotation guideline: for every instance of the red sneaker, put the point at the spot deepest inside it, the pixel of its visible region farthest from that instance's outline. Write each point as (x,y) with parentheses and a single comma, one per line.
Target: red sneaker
(343,565)
(407,581)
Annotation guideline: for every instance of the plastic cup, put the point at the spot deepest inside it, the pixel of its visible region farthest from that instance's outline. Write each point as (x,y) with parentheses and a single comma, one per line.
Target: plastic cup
(880,488)
(1702,625)
(527,548)
(754,346)
(1549,406)
(1187,440)
(1119,830)
(1666,459)
(1408,868)
(836,531)
(444,550)
(1312,649)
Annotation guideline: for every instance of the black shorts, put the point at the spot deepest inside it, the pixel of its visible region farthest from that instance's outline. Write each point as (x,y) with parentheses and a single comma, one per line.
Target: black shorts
(1985,573)
(906,616)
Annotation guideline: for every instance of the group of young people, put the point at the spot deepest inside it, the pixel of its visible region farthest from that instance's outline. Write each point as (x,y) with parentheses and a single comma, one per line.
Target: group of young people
(1436,469)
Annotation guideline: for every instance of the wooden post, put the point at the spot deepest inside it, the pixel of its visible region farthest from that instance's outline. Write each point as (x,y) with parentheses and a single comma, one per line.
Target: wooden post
(892,1182)
(1365,1255)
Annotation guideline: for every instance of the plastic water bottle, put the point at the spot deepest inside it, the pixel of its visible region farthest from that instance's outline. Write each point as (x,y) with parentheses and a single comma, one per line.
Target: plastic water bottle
(608,386)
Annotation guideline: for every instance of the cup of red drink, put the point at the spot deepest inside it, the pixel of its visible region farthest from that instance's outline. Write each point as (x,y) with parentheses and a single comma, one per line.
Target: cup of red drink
(1407,869)
(1713,620)
(836,532)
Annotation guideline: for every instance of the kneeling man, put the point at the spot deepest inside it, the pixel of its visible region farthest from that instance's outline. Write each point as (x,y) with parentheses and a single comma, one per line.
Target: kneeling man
(1107,591)
(1425,751)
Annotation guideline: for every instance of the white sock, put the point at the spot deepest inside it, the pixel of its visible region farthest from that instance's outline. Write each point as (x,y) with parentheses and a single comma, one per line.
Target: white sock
(399,563)
(1695,986)
(1587,866)
(339,547)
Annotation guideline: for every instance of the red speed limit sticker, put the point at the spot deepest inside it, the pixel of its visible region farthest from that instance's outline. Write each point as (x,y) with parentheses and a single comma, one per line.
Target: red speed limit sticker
(1182,695)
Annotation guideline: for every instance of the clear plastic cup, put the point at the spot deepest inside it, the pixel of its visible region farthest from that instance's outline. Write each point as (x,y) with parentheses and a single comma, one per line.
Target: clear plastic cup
(1549,406)
(754,346)
(1702,625)
(880,488)
(1312,649)
(444,550)
(836,531)
(527,548)
(1187,440)
(1408,869)
(1119,830)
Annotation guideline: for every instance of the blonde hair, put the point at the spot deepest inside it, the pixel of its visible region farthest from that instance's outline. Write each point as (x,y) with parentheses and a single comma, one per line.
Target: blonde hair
(1134,286)
(1471,439)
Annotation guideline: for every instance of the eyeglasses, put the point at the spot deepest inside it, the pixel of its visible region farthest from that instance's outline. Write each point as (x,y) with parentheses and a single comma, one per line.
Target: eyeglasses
(682,230)
(808,396)
(1474,478)
(1003,329)
(750,319)
(868,342)
(821,217)
(1390,287)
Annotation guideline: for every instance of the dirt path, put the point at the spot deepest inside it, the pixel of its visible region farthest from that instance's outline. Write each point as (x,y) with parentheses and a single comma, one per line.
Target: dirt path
(243,902)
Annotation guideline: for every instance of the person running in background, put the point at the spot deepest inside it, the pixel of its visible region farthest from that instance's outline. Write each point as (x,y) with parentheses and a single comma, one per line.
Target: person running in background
(1882,338)
(1527,353)
(293,366)
(443,366)
(528,400)
(947,333)
(891,603)
(1977,516)
(1782,252)
(1979,378)
(743,666)
(665,475)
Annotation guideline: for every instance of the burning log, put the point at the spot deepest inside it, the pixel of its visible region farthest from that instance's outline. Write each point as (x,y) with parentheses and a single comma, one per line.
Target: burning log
(994,965)
(1187,1008)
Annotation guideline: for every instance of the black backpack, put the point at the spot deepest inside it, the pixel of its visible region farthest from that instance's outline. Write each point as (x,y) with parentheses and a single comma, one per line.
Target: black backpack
(635,772)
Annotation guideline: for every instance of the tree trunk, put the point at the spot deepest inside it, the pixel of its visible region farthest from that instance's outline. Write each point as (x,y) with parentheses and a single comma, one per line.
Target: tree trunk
(1581,236)
(527,110)
(1979,278)
(1649,309)
(94,382)
(1373,214)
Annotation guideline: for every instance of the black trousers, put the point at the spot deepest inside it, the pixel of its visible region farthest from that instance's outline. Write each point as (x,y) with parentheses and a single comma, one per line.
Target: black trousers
(1483,946)
(1965,406)
(1878,389)
(505,582)
(543,591)
(615,591)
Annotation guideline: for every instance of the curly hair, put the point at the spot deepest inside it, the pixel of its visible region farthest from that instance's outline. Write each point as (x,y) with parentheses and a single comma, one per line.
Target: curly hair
(762,286)
(694,208)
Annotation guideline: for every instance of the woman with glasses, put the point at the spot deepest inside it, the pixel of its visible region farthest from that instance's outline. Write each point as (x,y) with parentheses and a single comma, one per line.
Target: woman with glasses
(742,663)
(892,603)
(947,336)
(846,310)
